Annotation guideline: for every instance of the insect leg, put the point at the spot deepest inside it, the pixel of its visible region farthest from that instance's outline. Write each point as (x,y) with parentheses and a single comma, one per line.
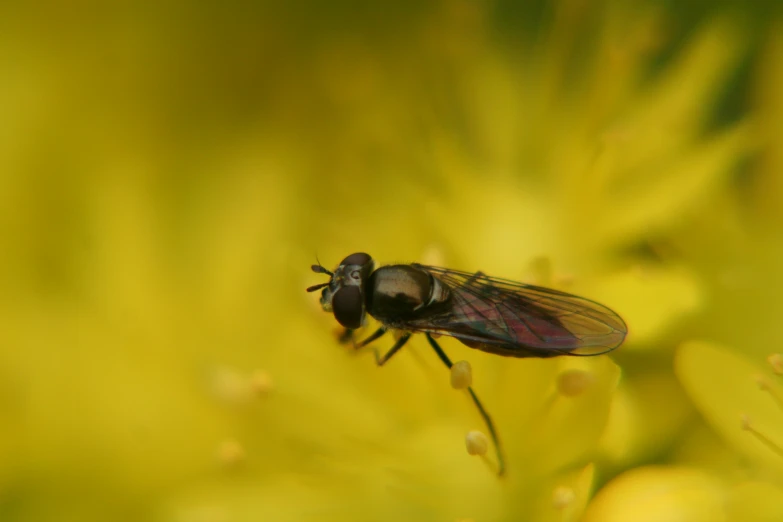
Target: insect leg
(477,402)
(345,337)
(381,360)
(375,335)
(477,275)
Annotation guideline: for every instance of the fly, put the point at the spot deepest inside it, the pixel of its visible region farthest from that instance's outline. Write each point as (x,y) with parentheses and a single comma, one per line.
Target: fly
(491,314)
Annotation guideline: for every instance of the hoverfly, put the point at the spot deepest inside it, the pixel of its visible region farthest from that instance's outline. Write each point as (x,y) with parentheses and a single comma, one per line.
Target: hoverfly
(491,314)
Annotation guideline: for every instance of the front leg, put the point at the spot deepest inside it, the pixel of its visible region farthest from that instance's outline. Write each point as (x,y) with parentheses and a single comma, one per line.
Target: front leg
(374,336)
(478,275)
(347,337)
(381,360)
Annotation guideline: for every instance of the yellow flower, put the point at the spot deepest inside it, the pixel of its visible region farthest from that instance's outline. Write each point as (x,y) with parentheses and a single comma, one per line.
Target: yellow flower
(666,493)
(733,467)
(742,401)
(163,196)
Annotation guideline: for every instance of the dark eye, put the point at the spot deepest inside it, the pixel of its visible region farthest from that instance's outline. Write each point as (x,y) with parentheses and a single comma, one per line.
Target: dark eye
(347,306)
(357,259)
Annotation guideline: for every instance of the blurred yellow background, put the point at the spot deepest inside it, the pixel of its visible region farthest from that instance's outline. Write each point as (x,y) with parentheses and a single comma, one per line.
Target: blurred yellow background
(169,172)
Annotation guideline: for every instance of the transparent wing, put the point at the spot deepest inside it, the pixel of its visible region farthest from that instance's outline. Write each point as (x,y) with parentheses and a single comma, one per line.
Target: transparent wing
(515,319)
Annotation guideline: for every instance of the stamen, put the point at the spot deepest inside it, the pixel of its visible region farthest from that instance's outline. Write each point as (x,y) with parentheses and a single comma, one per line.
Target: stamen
(747,425)
(260,383)
(229,386)
(476,443)
(541,270)
(230,453)
(237,389)
(564,280)
(572,383)
(461,375)
(562,497)
(765,386)
(776,361)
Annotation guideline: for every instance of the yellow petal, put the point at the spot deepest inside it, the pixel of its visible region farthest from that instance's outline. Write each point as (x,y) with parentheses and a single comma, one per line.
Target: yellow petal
(755,502)
(650,300)
(665,121)
(768,189)
(568,496)
(654,494)
(725,389)
(568,427)
(675,187)
(645,411)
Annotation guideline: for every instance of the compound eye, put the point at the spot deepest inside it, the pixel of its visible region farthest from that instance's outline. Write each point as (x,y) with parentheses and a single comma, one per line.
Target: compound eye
(359,258)
(347,306)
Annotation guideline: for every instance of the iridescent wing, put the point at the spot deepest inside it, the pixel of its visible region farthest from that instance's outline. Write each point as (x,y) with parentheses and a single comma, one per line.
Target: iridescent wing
(519,320)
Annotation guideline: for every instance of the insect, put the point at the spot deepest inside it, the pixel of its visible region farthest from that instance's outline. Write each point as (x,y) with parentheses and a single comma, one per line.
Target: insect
(491,314)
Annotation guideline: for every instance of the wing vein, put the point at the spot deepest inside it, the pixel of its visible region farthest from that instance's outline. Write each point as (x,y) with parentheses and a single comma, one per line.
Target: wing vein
(520,319)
